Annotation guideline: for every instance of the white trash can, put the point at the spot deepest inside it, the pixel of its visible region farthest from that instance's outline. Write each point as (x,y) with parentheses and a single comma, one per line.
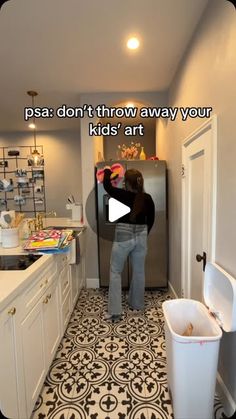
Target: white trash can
(192,360)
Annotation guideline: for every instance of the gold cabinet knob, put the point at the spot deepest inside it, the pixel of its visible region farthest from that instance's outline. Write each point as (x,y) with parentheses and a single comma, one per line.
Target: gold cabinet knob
(45,301)
(12,311)
(49,296)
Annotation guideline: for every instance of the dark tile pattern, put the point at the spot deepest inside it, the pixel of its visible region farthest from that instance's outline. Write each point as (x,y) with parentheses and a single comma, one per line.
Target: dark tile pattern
(110,371)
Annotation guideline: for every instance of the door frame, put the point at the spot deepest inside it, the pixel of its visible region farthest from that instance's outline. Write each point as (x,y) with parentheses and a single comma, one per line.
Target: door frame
(211,125)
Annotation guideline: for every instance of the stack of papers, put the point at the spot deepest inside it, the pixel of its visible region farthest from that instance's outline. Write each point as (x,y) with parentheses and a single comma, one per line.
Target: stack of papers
(50,239)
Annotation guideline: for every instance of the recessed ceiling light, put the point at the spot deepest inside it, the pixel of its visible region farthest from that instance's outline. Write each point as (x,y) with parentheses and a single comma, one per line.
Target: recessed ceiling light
(32,126)
(133,43)
(129,105)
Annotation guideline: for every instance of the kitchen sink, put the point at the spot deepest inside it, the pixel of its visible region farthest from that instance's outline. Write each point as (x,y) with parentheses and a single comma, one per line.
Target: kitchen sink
(17,262)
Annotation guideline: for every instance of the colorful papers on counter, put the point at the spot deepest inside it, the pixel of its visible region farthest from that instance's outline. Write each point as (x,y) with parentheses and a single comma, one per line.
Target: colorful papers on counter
(50,239)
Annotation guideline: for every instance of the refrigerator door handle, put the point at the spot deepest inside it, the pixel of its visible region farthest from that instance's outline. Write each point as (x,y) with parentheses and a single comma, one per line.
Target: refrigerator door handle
(106,199)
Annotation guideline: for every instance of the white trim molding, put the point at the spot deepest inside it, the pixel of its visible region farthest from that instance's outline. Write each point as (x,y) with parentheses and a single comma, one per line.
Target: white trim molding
(172,290)
(92,282)
(209,210)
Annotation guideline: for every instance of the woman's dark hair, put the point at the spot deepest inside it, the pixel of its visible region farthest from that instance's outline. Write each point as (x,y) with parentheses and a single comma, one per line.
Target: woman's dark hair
(134,183)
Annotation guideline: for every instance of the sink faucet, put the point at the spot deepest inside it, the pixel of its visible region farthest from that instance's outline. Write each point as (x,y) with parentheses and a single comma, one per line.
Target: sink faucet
(36,223)
(40,216)
(39,221)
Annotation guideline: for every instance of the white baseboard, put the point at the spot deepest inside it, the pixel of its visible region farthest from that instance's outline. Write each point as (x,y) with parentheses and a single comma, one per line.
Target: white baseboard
(225,397)
(92,282)
(172,290)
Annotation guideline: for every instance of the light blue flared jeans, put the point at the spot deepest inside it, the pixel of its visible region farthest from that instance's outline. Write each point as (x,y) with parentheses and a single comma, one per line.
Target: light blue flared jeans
(130,240)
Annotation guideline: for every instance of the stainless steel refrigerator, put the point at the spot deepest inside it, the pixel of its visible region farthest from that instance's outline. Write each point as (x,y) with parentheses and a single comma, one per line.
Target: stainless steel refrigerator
(155,183)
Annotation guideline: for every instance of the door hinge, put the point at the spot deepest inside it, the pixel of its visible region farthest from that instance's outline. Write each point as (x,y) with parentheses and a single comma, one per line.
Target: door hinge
(183,174)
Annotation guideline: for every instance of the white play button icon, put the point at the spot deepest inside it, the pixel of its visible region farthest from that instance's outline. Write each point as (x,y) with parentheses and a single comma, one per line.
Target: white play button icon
(116,209)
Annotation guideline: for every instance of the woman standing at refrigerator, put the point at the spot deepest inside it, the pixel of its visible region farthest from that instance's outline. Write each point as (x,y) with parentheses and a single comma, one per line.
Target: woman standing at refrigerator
(130,240)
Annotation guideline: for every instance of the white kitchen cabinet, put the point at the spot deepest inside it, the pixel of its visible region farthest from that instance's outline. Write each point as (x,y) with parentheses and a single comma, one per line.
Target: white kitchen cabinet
(38,286)
(75,282)
(31,327)
(65,290)
(30,332)
(65,282)
(66,310)
(51,322)
(34,357)
(8,361)
(40,336)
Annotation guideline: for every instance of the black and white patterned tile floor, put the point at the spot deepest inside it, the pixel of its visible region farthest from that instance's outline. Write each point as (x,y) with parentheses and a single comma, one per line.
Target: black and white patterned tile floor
(110,371)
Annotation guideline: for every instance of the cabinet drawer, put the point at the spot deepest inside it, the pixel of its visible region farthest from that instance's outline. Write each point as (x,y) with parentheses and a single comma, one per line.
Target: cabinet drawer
(62,260)
(34,292)
(66,310)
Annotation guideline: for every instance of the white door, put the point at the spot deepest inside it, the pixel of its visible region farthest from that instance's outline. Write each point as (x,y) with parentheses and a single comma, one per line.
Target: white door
(198,208)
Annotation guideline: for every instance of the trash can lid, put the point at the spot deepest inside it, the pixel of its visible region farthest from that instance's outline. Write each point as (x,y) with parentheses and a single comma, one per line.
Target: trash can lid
(220,296)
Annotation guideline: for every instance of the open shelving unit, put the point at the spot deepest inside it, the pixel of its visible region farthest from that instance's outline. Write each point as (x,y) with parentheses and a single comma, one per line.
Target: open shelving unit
(22,186)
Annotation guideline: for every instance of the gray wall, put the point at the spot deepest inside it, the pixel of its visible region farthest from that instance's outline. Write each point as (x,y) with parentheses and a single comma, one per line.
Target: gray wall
(207,78)
(62,165)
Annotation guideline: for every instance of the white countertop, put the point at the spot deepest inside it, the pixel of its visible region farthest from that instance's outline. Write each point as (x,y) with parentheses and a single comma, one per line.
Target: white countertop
(12,282)
(62,222)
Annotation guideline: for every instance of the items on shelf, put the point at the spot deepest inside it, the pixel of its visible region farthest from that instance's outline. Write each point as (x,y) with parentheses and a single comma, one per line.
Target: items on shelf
(14,152)
(3,163)
(142,155)
(3,202)
(22,186)
(6,185)
(129,152)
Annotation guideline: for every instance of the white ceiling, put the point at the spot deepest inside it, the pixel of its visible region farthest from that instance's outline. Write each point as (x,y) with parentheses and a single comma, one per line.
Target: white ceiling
(62,48)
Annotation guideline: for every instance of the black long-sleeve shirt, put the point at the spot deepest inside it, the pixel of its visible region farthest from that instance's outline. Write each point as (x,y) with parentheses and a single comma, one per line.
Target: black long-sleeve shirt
(147,216)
